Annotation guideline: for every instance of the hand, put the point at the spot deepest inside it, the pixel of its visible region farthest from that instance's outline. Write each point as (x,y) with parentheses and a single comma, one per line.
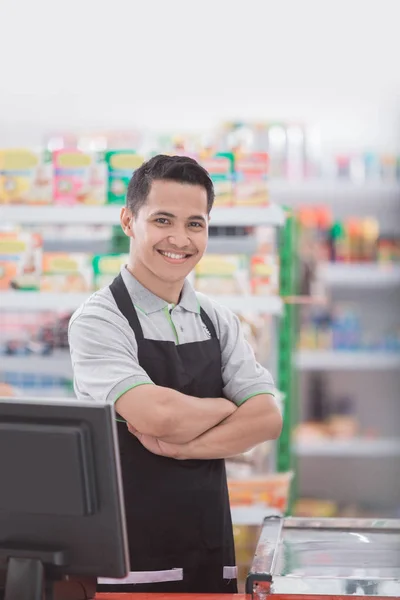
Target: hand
(159,447)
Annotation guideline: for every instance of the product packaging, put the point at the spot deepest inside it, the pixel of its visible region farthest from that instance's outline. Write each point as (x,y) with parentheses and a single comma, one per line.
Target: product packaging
(79,177)
(251,179)
(106,267)
(264,274)
(222,274)
(20,260)
(121,165)
(66,272)
(220,167)
(25,177)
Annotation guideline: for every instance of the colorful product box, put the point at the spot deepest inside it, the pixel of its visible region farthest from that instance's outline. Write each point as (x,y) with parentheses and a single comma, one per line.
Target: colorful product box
(79,177)
(65,272)
(106,267)
(220,167)
(25,177)
(251,179)
(121,165)
(264,273)
(20,260)
(222,274)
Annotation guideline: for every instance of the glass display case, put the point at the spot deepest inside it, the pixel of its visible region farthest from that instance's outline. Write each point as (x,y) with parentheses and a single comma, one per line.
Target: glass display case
(326,557)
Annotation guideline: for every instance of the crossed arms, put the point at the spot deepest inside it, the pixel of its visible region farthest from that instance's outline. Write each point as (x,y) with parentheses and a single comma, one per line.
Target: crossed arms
(173,424)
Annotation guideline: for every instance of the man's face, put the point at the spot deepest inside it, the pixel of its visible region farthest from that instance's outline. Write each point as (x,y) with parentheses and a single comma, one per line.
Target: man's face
(170,231)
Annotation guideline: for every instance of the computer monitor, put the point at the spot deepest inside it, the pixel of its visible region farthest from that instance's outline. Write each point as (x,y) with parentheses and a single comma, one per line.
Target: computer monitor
(62,521)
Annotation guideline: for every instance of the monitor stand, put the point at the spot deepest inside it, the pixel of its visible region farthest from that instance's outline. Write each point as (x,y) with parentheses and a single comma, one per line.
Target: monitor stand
(26,577)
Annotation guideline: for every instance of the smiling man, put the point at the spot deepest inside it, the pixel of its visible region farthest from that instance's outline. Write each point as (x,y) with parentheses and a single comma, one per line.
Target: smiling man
(187,389)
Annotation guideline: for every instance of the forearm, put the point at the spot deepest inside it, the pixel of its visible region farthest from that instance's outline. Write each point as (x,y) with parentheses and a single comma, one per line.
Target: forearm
(190,417)
(169,415)
(256,421)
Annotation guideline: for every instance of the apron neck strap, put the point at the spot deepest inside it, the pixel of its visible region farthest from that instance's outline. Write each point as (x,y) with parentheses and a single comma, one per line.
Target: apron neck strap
(126,306)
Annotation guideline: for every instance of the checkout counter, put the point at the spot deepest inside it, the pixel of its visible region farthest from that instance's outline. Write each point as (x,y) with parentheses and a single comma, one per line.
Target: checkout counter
(316,559)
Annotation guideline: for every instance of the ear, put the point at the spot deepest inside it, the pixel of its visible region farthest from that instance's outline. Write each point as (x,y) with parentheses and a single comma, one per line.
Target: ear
(126,219)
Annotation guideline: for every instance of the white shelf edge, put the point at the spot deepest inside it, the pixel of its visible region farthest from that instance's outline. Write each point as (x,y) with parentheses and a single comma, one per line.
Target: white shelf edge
(331,189)
(349,448)
(254,514)
(360,274)
(14,300)
(271,305)
(272,214)
(318,360)
(57,364)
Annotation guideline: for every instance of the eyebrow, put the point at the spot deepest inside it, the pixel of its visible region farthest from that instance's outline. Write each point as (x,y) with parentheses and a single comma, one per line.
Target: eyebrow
(162,213)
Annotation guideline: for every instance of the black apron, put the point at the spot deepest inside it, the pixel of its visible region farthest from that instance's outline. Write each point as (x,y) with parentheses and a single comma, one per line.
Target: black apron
(178,513)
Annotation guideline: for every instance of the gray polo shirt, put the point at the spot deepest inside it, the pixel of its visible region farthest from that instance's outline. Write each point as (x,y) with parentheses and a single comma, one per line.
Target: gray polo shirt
(104,349)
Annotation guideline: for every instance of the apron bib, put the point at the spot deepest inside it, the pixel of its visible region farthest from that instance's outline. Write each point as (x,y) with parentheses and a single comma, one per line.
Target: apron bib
(178,514)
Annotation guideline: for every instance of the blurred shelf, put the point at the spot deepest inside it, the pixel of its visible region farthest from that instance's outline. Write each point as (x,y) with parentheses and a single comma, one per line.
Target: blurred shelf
(349,448)
(363,275)
(329,191)
(38,301)
(320,360)
(271,305)
(109,215)
(57,364)
(251,515)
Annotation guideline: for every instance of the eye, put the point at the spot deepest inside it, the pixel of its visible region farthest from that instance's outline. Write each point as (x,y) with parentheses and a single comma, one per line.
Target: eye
(162,221)
(196,224)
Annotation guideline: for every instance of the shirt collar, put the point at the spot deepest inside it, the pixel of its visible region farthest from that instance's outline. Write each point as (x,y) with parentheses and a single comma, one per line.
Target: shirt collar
(149,303)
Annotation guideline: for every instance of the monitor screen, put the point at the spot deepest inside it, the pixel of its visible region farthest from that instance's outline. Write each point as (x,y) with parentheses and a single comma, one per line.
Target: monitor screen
(61,499)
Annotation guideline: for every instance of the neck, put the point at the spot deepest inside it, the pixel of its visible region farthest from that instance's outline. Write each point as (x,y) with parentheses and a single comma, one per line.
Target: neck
(170,292)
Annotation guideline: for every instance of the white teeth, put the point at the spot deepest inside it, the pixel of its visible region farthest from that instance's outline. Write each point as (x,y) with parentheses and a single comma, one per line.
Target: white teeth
(171,255)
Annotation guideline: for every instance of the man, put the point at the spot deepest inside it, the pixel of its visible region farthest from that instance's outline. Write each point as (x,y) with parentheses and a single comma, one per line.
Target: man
(187,390)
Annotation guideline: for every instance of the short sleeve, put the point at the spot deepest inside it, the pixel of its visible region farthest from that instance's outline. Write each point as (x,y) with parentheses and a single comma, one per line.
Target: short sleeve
(104,356)
(242,375)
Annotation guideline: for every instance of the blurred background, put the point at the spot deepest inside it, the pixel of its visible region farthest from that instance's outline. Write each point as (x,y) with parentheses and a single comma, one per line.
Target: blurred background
(294,108)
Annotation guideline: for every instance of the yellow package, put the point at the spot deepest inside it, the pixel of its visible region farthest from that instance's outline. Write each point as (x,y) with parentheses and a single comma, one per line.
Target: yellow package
(20,260)
(65,272)
(222,274)
(26,177)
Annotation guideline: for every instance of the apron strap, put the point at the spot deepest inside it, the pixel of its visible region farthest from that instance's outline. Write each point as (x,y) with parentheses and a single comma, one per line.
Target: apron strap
(126,306)
(208,323)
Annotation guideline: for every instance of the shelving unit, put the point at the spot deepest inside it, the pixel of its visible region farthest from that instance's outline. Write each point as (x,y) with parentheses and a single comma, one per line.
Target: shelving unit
(369,380)
(335,360)
(41,301)
(58,364)
(360,275)
(350,448)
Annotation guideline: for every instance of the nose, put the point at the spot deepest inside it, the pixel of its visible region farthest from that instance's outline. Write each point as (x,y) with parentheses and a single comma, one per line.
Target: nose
(179,240)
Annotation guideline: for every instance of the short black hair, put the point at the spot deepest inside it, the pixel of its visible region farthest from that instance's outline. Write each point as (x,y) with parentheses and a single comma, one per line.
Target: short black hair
(182,169)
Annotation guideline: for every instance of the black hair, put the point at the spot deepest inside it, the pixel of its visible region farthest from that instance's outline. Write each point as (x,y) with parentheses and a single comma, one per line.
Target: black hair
(168,168)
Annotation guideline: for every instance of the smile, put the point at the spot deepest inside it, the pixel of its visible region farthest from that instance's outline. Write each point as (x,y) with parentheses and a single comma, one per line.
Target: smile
(174,257)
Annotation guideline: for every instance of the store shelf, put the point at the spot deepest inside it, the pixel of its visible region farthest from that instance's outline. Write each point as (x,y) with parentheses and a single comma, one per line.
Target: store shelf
(328,191)
(347,361)
(109,215)
(40,301)
(252,514)
(360,275)
(271,305)
(57,364)
(349,448)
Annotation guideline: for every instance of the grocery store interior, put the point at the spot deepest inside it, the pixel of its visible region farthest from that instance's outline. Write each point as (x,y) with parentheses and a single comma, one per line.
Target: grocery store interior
(294,109)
